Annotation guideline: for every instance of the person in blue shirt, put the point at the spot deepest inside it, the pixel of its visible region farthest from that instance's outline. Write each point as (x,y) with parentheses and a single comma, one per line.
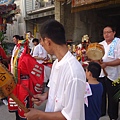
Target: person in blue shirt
(93,110)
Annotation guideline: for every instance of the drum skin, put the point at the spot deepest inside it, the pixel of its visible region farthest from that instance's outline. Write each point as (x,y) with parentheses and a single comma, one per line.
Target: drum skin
(7,82)
(95,51)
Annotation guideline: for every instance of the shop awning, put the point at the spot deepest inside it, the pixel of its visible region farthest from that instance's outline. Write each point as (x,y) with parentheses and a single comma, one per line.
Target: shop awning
(81,5)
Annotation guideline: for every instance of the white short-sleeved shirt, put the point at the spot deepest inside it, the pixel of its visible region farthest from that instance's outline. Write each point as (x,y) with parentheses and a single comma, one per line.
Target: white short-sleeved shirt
(39,51)
(67,88)
(112,71)
(31,45)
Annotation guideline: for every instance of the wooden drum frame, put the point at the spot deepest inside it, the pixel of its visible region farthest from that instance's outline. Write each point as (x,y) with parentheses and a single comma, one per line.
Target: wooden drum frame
(7,85)
(95,51)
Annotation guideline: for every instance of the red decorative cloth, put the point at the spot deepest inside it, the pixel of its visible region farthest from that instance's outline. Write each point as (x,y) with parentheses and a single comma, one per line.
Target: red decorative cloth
(29,73)
(2,53)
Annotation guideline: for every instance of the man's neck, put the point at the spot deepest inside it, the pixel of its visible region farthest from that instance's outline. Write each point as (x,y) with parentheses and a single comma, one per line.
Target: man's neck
(93,81)
(108,42)
(60,51)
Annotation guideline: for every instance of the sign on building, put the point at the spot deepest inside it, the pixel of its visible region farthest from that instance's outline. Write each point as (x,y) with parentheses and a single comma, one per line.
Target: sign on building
(76,3)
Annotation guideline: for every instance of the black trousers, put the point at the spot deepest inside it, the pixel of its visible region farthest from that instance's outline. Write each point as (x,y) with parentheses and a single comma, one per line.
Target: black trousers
(16,113)
(113,104)
(18,117)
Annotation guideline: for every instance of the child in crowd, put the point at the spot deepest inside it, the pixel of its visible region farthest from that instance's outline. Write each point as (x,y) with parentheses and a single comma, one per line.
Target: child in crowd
(93,108)
(35,42)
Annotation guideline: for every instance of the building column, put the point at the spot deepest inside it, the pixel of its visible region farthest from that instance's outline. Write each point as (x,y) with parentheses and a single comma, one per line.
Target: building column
(59,11)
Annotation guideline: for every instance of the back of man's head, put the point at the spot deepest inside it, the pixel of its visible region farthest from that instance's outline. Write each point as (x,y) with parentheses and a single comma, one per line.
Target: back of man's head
(95,69)
(17,37)
(29,32)
(53,30)
(35,40)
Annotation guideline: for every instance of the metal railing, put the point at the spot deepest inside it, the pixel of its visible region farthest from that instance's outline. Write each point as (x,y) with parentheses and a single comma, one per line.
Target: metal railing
(32,5)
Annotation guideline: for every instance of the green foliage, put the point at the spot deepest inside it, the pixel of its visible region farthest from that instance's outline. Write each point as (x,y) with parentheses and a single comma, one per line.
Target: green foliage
(117,94)
(116,82)
(2,40)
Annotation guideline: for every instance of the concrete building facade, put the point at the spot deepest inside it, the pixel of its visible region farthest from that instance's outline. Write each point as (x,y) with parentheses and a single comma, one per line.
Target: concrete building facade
(18,27)
(88,18)
(84,19)
(41,11)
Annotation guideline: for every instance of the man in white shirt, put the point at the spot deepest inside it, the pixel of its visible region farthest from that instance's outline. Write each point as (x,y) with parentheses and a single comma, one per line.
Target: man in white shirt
(67,80)
(16,38)
(41,55)
(35,42)
(111,61)
(30,38)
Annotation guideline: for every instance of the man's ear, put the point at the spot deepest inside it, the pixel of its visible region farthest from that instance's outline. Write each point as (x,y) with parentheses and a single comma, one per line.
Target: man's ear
(90,74)
(114,32)
(48,41)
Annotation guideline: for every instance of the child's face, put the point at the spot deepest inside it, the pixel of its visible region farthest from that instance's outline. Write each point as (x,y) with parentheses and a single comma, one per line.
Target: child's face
(35,43)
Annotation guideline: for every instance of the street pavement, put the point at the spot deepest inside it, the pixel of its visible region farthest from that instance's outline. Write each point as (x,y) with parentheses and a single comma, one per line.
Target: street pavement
(5,115)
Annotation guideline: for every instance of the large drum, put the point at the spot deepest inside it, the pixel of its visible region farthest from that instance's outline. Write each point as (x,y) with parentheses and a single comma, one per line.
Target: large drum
(7,85)
(7,82)
(95,51)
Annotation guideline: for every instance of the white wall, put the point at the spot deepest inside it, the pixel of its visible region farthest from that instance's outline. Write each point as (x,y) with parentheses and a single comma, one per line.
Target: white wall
(18,27)
(12,29)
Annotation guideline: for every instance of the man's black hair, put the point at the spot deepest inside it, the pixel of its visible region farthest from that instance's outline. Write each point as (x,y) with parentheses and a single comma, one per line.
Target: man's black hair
(95,69)
(35,40)
(53,30)
(21,38)
(29,32)
(112,27)
(17,37)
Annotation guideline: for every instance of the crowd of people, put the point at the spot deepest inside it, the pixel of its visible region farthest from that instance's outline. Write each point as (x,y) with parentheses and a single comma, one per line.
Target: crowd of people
(74,93)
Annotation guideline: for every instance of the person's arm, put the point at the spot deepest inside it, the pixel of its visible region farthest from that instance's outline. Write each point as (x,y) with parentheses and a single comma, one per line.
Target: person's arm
(39,58)
(111,63)
(39,98)
(36,52)
(35,114)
